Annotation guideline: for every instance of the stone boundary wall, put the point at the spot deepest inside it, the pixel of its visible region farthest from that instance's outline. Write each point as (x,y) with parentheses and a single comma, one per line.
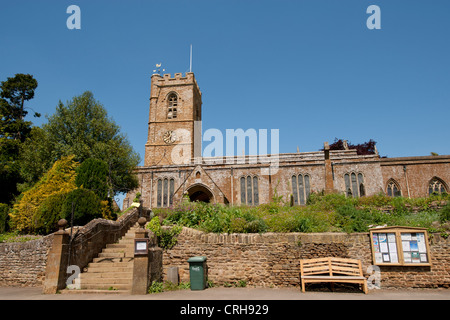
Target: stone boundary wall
(272,259)
(24,264)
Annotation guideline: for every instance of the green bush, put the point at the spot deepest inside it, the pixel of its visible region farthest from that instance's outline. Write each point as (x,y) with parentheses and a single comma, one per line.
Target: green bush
(323,213)
(444,213)
(156,287)
(167,238)
(49,213)
(351,219)
(85,204)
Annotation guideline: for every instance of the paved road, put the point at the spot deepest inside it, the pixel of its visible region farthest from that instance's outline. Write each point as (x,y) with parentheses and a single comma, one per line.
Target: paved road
(220,293)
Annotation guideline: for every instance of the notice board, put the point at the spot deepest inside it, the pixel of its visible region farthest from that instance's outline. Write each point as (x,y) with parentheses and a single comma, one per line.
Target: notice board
(400,246)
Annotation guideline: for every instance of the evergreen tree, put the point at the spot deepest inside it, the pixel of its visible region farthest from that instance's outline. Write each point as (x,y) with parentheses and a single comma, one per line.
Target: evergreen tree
(92,174)
(13,130)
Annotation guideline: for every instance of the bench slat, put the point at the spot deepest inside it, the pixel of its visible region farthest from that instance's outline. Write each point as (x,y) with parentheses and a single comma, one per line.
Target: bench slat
(334,277)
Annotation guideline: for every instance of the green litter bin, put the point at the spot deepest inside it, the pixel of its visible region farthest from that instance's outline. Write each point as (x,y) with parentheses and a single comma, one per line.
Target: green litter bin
(197,272)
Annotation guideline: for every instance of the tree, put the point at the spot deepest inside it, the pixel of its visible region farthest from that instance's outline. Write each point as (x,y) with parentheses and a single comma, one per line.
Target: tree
(13,130)
(36,156)
(92,174)
(15,91)
(365,148)
(82,127)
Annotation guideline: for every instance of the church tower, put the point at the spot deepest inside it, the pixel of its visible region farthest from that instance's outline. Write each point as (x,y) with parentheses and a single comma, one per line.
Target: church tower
(174,127)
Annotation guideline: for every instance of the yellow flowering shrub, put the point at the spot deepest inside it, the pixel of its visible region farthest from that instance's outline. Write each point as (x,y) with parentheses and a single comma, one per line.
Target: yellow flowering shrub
(59,179)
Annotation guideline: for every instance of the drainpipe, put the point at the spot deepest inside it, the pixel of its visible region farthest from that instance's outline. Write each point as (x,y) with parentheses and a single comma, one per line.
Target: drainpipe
(407,184)
(151,190)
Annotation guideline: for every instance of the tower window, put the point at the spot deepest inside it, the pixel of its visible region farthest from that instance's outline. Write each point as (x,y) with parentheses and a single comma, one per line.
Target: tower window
(354,185)
(172,107)
(300,188)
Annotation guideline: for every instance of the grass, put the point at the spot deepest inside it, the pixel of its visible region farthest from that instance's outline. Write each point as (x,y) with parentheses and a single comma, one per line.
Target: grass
(323,213)
(16,237)
(158,287)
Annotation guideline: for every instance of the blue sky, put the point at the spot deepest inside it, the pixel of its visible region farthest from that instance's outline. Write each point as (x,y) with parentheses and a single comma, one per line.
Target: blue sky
(310,68)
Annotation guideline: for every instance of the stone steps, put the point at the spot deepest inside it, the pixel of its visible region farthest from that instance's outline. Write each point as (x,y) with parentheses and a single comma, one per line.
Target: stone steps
(111,271)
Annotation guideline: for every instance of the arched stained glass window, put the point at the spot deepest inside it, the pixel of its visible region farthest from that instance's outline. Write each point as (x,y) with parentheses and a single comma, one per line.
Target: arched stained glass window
(393,189)
(436,186)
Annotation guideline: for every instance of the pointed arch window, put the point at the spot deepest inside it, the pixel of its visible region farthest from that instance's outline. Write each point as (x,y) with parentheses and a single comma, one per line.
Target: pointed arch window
(249,190)
(300,188)
(436,186)
(172,106)
(164,192)
(354,185)
(393,189)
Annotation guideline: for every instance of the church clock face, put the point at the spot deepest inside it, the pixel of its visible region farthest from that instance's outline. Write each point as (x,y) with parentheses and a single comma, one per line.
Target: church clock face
(170,137)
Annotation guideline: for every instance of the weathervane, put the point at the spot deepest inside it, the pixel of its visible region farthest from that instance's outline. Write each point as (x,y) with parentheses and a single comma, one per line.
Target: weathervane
(158,69)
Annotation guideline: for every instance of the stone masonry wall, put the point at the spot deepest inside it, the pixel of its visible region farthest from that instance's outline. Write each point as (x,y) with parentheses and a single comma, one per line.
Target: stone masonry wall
(23,264)
(272,259)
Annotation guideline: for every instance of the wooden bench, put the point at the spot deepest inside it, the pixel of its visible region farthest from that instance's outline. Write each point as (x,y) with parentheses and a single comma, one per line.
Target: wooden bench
(332,270)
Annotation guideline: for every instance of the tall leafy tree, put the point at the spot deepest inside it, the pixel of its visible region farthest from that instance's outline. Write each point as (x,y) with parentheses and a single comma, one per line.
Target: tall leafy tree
(92,174)
(14,129)
(82,127)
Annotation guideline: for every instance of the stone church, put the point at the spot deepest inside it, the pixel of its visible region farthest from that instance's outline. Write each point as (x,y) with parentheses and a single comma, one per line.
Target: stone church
(174,167)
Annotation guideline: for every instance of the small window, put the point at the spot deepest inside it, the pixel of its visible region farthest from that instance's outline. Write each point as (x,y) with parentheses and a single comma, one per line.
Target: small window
(249,190)
(354,185)
(436,186)
(172,107)
(300,188)
(393,189)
